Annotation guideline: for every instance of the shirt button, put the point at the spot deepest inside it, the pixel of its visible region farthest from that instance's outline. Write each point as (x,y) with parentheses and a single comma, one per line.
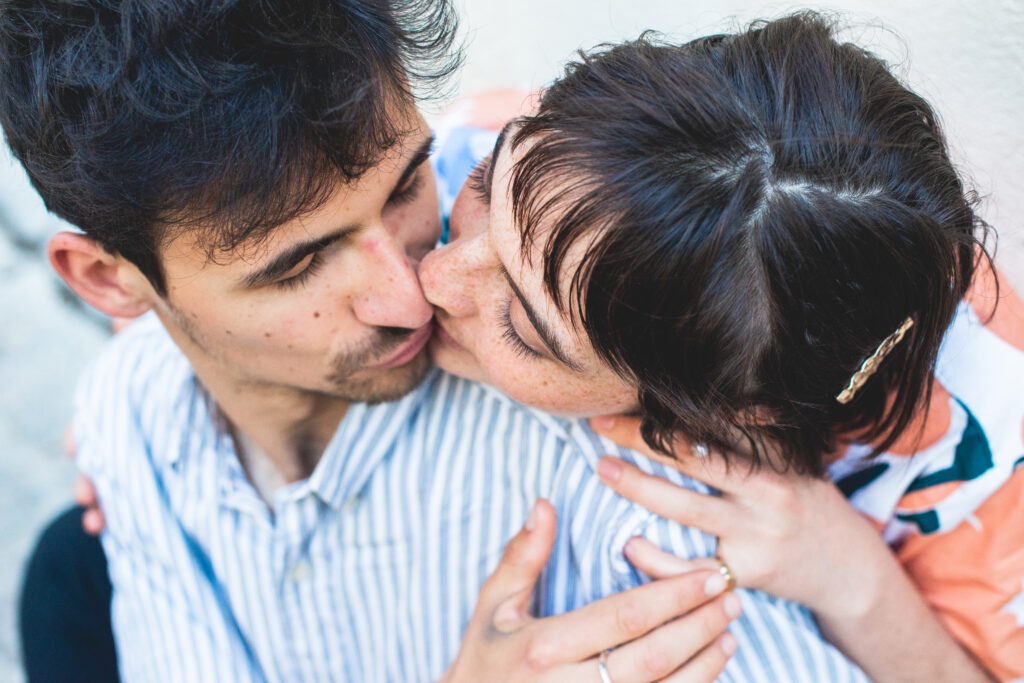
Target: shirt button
(300,572)
(352,503)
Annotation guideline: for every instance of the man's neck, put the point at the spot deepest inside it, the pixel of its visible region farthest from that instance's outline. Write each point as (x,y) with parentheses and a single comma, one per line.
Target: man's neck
(290,427)
(291,430)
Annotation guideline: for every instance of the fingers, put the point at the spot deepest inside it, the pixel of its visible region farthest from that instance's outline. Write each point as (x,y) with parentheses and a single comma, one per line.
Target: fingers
(708,664)
(712,468)
(658,564)
(620,618)
(93,522)
(508,591)
(662,497)
(624,431)
(664,650)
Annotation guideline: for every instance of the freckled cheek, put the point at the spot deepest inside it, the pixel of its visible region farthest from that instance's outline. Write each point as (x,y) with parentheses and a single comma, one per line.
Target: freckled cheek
(525,380)
(556,391)
(288,328)
(547,393)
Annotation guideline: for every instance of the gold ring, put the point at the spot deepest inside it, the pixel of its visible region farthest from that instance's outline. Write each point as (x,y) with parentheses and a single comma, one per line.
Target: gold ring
(723,569)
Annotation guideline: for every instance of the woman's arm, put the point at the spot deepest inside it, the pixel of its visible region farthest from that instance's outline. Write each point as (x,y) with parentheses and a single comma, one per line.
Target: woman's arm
(797,538)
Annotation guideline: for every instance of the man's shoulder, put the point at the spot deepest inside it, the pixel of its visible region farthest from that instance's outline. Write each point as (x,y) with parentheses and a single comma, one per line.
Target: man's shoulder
(599,522)
(139,378)
(134,356)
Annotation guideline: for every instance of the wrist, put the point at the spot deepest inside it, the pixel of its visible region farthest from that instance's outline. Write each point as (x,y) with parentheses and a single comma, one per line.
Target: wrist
(861,589)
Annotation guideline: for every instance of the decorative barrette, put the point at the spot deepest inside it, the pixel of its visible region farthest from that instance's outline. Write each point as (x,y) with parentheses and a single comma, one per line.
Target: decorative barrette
(869,366)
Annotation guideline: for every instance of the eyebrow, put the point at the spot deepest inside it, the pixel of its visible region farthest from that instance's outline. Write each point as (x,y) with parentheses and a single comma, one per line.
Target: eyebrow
(421,154)
(543,329)
(498,144)
(287,260)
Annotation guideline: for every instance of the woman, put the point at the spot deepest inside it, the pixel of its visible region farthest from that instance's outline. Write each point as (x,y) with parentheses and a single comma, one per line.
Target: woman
(757,243)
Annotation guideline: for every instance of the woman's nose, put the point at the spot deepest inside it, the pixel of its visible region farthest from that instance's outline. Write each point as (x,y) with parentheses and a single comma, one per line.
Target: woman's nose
(450,275)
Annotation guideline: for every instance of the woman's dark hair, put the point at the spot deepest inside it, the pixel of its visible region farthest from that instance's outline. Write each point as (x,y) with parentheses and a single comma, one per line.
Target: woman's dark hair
(759,212)
(135,118)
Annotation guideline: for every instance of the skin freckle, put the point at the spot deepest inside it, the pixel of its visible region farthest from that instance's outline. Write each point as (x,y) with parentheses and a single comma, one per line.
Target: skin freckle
(316,314)
(266,334)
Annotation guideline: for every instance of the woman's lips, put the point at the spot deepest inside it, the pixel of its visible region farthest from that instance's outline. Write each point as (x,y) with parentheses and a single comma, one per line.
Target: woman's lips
(447,338)
(409,351)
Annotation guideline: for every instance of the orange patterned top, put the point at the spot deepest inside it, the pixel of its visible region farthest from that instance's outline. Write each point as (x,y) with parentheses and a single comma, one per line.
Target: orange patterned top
(949,496)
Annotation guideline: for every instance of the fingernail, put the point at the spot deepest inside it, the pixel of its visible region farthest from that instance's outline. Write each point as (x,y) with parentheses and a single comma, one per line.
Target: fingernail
(609,469)
(628,550)
(531,520)
(728,644)
(715,584)
(732,606)
(602,423)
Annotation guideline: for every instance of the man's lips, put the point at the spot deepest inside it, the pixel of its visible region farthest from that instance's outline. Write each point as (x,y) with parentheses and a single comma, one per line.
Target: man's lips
(409,351)
(447,338)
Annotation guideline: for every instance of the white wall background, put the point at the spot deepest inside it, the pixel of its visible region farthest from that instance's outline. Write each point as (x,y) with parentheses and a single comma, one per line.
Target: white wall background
(965,57)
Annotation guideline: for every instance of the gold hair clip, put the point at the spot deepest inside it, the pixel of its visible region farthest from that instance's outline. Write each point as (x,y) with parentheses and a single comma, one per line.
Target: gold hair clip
(869,366)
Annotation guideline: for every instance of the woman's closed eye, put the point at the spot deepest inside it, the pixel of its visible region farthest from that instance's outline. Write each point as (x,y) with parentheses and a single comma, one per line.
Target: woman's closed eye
(510,335)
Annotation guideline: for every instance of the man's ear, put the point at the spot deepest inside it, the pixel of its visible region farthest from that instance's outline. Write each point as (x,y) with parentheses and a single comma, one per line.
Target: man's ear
(104,280)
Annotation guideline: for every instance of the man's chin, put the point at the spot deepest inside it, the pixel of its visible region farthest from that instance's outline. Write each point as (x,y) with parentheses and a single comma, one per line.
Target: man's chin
(376,385)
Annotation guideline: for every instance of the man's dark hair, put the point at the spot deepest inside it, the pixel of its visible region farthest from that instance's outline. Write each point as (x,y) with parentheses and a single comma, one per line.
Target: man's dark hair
(139,118)
(760,211)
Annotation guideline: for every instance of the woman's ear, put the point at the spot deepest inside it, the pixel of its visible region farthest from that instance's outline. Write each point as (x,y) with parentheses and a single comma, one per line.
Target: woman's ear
(106,281)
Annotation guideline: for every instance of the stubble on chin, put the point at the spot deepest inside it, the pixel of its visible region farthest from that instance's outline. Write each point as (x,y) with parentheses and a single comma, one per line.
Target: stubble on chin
(383,385)
(353,381)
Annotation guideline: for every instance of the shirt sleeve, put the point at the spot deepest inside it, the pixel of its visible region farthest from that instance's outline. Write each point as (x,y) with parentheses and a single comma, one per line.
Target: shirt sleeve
(973,575)
(949,499)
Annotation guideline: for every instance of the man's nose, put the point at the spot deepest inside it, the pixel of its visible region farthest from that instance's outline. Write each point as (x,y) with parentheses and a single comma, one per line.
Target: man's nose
(392,297)
(449,275)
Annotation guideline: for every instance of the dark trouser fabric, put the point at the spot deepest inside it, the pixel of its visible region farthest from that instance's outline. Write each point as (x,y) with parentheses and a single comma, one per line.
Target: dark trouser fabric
(64,612)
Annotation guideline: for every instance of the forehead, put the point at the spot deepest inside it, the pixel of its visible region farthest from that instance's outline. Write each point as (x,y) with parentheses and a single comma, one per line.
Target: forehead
(207,246)
(526,251)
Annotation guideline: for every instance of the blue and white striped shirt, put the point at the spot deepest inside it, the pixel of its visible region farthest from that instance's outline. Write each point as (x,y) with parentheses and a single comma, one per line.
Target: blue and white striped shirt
(370,569)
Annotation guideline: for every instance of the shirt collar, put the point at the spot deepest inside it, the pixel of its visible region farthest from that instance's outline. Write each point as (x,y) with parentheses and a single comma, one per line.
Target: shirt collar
(364,440)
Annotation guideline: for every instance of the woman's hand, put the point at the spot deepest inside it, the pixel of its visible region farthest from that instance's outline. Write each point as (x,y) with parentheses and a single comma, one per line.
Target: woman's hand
(671,630)
(796,537)
(793,536)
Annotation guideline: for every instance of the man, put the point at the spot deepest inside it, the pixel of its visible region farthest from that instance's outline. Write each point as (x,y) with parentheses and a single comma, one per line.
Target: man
(290,493)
